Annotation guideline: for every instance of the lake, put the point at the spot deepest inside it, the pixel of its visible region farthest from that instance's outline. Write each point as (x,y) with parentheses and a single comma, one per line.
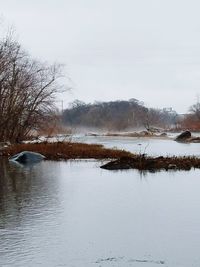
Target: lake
(76,214)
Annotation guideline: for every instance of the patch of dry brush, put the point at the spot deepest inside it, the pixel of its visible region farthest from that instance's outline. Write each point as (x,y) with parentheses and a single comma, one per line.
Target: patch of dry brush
(120,159)
(67,150)
(141,162)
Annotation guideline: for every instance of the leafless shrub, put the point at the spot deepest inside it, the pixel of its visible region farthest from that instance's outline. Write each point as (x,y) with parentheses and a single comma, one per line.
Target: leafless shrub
(27,91)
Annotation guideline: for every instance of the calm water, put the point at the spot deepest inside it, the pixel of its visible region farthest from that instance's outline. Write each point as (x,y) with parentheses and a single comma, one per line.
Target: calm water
(151,146)
(75,214)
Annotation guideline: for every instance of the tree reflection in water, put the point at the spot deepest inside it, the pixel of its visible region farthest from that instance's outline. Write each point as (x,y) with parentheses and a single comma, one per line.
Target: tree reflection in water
(24,192)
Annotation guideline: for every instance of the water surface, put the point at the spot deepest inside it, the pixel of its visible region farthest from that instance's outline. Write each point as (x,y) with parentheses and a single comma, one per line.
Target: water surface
(150,146)
(75,214)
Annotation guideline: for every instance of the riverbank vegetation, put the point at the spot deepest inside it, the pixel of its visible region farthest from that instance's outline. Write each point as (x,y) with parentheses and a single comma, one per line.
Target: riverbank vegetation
(145,163)
(117,116)
(67,150)
(28,89)
(120,159)
(191,121)
(121,115)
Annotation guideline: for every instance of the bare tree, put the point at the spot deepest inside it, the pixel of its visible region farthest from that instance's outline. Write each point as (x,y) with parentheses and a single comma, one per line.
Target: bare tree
(27,90)
(195,110)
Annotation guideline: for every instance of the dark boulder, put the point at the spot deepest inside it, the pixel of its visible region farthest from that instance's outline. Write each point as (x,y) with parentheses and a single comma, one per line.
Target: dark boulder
(27,157)
(183,136)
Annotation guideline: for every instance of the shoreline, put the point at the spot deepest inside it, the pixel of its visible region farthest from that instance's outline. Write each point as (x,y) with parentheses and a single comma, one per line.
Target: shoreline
(118,159)
(153,164)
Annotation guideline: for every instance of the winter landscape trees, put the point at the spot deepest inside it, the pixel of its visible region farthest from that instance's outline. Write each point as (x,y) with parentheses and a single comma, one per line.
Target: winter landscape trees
(27,91)
(117,115)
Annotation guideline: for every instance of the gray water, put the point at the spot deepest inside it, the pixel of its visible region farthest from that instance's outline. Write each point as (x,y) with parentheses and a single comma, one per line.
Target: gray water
(150,146)
(75,214)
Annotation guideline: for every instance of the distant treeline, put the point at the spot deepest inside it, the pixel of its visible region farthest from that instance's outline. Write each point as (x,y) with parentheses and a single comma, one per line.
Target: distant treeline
(117,115)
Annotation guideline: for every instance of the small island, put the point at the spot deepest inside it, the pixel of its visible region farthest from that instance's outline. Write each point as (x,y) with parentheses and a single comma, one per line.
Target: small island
(118,159)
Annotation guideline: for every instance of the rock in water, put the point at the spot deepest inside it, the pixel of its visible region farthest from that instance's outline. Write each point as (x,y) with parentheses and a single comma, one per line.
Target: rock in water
(27,157)
(183,136)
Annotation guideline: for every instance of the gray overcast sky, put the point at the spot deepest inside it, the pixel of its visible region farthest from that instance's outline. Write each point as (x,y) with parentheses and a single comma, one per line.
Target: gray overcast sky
(116,49)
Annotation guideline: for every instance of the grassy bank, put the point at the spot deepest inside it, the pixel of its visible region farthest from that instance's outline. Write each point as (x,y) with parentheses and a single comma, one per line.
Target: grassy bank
(120,159)
(67,150)
(143,163)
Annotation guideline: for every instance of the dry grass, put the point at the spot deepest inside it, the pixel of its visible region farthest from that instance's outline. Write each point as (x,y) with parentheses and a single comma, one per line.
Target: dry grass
(123,159)
(68,150)
(140,162)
